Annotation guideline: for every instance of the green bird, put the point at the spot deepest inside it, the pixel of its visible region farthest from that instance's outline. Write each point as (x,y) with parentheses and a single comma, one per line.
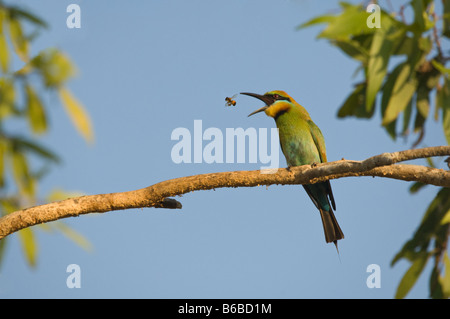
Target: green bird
(302,143)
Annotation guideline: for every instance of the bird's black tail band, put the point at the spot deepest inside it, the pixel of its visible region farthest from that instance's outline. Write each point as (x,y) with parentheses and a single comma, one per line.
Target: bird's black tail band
(331,228)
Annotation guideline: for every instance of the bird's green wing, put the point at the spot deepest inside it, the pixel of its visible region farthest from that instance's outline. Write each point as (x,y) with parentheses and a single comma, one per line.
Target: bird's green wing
(318,140)
(317,136)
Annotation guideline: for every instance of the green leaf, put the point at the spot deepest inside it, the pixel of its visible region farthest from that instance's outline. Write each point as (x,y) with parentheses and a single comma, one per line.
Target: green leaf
(29,245)
(355,104)
(380,52)
(54,66)
(352,21)
(9,205)
(435,284)
(416,186)
(386,99)
(317,20)
(436,211)
(430,162)
(23,144)
(417,56)
(446,19)
(423,102)
(441,68)
(3,150)
(438,102)
(411,276)
(425,44)
(73,235)
(388,87)
(3,18)
(419,122)
(21,174)
(19,41)
(445,281)
(58,195)
(7,97)
(403,89)
(4,53)
(35,110)
(446,218)
(428,228)
(2,250)
(18,12)
(77,113)
(419,22)
(407,117)
(446,109)
(353,49)
(405,46)
(433,79)
(391,129)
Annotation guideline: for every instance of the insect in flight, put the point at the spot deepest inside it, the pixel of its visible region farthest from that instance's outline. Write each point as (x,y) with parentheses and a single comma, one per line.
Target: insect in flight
(230,100)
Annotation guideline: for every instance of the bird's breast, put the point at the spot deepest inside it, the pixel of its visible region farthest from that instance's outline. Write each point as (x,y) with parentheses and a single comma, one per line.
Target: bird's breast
(296,141)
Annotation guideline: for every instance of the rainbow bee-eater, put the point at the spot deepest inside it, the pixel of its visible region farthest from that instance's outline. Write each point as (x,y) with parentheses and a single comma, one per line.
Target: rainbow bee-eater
(302,143)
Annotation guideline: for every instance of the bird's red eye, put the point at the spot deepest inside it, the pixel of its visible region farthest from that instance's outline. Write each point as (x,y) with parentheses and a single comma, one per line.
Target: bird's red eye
(276,96)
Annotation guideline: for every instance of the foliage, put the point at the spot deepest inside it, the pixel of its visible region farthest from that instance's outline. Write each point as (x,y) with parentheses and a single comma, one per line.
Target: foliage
(23,160)
(403,67)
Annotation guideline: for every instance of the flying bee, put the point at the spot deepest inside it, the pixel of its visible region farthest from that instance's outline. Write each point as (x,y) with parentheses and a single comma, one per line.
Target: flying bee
(230,100)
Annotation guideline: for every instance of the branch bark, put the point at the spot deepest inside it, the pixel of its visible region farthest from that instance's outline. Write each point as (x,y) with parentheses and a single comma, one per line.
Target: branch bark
(383,165)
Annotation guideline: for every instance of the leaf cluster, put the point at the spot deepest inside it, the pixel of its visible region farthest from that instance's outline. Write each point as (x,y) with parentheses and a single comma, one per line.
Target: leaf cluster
(402,64)
(403,70)
(24,79)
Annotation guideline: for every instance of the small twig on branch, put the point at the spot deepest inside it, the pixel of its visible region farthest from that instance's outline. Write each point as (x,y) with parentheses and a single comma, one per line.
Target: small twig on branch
(157,195)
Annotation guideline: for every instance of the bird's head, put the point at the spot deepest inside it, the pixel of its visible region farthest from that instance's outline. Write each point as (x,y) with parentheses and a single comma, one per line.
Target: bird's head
(277,102)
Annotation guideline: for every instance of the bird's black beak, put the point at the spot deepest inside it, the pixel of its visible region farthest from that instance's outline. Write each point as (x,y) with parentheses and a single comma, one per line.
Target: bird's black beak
(265,98)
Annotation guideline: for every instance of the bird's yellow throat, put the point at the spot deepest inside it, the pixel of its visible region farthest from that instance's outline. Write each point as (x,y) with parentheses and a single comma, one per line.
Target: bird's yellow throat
(277,108)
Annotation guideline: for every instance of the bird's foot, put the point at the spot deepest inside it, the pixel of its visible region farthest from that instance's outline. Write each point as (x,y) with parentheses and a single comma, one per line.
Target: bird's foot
(314,164)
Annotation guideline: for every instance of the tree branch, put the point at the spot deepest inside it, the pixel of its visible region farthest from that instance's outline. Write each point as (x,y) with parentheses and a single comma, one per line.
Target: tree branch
(382,165)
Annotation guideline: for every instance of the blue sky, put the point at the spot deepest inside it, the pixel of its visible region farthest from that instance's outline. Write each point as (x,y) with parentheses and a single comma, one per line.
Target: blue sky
(146,68)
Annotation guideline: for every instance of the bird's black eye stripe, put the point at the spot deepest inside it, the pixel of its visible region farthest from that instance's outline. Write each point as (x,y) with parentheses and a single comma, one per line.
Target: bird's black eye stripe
(278,97)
